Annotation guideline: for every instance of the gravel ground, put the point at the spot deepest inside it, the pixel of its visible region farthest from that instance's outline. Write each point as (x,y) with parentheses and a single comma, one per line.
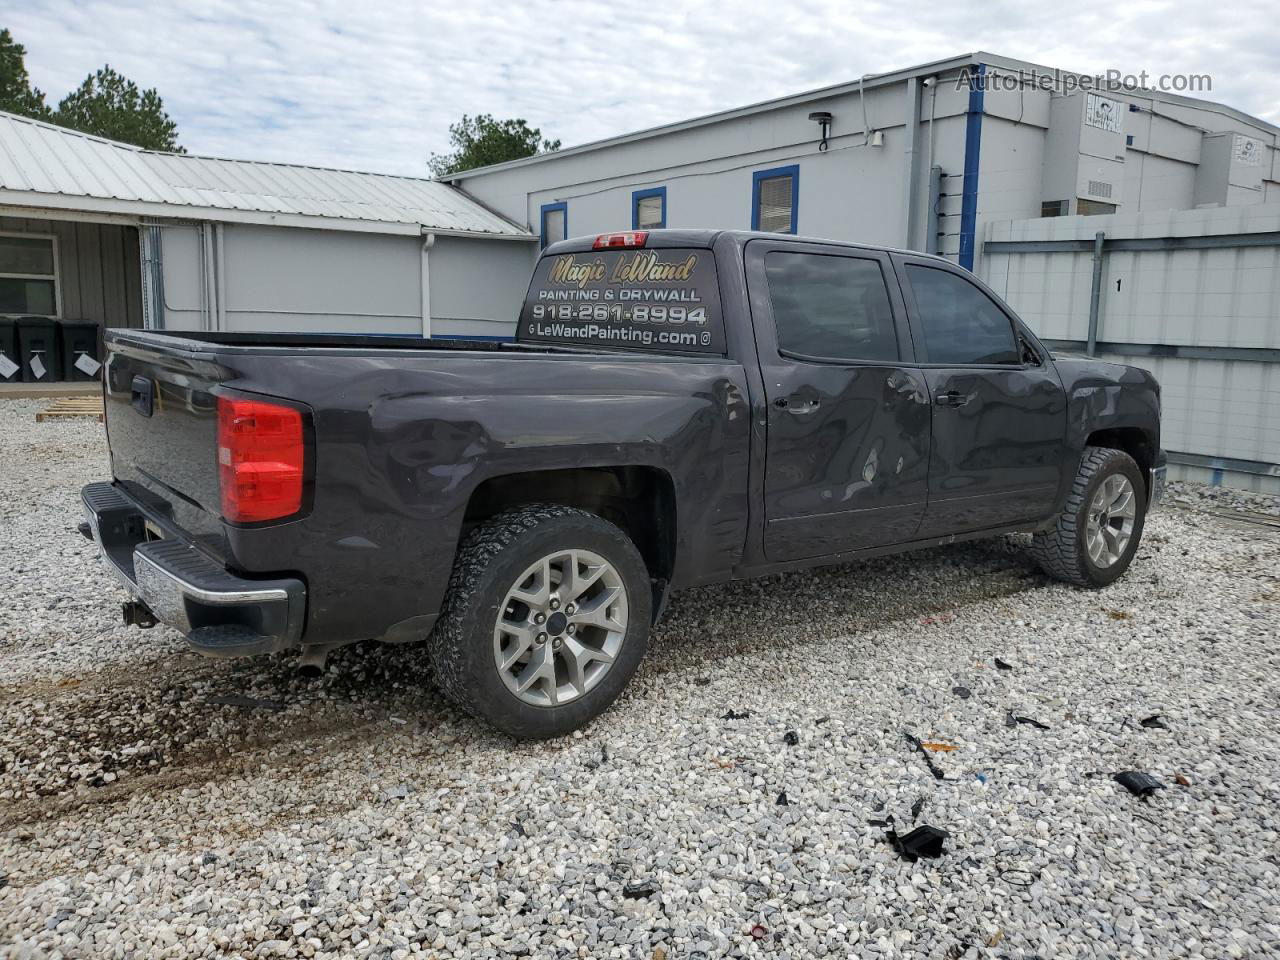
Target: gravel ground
(155,803)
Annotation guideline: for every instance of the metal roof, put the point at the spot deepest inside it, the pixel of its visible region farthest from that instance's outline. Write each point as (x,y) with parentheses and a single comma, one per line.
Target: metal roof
(868,82)
(50,167)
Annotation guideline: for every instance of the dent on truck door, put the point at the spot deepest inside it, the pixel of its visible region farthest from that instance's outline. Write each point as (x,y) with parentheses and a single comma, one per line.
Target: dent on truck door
(846,461)
(999,411)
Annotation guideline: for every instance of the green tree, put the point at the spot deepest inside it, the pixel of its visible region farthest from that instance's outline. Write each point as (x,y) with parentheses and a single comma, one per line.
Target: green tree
(110,105)
(480,141)
(16,93)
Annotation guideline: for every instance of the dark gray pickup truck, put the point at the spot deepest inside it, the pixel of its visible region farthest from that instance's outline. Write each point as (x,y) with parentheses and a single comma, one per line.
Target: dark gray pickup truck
(679,407)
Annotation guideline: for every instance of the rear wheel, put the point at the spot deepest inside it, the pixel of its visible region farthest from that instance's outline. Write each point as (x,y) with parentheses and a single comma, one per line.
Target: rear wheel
(546,620)
(1096,535)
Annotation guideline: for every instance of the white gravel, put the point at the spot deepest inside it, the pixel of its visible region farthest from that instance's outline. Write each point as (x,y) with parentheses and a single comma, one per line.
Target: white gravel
(154,803)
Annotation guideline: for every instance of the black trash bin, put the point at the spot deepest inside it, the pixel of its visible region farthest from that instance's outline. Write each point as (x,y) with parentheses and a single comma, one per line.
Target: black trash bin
(10,367)
(39,351)
(80,339)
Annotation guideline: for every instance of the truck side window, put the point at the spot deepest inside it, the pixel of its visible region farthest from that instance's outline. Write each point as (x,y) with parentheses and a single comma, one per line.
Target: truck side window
(830,307)
(961,324)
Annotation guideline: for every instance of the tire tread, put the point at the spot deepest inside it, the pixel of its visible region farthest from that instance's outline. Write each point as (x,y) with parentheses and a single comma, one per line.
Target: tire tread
(1057,550)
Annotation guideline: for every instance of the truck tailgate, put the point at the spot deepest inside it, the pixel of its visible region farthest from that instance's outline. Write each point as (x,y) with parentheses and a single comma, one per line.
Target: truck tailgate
(162,421)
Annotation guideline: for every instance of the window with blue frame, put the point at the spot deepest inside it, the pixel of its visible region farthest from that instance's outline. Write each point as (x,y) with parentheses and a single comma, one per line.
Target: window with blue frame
(554,223)
(775,199)
(649,209)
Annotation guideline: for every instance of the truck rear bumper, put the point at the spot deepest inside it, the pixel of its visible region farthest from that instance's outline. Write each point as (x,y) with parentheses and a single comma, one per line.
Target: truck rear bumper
(220,614)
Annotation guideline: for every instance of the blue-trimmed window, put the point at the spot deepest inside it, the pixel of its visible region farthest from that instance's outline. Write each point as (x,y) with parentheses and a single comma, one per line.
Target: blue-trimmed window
(775,199)
(553,222)
(649,209)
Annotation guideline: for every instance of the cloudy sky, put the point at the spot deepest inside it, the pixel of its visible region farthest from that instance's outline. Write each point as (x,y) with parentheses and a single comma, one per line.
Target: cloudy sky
(374,85)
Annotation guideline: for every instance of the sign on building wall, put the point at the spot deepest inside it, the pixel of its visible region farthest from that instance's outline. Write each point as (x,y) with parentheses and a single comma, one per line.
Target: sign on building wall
(1247,150)
(1103,113)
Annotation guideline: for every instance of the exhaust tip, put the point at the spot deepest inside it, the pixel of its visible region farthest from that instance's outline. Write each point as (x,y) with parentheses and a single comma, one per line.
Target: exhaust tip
(311,662)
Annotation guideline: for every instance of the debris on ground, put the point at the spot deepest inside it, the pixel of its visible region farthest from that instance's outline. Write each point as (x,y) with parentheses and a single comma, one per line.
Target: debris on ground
(1181,781)
(933,767)
(923,841)
(1153,722)
(1140,784)
(702,682)
(791,738)
(964,693)
(938,746)
(1001,665)
(736,715)
(1010,720)
(759,932)
(639,889)
(782,800)
(916,808)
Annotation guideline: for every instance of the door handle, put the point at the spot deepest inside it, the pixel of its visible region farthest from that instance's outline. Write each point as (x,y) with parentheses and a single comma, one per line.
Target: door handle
(952,398)
(798,407)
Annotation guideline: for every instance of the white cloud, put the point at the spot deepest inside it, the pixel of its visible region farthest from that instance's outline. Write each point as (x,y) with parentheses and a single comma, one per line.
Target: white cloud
(375,86)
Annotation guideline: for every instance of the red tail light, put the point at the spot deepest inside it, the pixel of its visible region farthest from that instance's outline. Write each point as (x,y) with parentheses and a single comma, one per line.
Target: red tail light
(629,238)
(260,460)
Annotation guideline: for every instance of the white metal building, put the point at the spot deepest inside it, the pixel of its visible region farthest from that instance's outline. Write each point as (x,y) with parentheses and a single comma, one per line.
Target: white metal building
(130,237)
(1011,169)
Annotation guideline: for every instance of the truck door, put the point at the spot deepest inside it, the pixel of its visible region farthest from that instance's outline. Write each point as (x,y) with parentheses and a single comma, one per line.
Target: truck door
(999,410)
(847,451)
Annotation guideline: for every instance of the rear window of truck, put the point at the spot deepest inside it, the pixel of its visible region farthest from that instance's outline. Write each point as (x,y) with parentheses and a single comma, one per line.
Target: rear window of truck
(665,301)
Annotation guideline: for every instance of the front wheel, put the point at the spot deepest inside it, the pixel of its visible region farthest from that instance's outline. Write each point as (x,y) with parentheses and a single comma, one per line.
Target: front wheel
(546,620)
(1094,538)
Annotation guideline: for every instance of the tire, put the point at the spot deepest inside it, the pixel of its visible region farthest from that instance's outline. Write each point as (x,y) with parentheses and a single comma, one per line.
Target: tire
(1063,550)
(495,559)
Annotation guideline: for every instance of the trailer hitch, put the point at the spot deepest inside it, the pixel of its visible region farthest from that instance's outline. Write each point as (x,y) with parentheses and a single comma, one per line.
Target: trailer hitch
(138,614)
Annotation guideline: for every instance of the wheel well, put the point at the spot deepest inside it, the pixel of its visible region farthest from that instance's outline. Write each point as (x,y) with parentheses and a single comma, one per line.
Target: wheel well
(1133,441)
(639,500)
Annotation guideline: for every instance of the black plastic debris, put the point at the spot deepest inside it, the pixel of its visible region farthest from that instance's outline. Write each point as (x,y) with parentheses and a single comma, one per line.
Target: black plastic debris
(933,767)
(916,808)
(639,890)
(821,720)
(1001,665)
(923,841)
(791,738)
(1138,783)
(880,823)
(964,693)
(736,715)
(782,800)
(1012,721)
(1153,722)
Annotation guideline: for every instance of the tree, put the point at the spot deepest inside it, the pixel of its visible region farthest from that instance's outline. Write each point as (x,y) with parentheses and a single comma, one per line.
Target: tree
(16,93)
(110,105)
(480,141)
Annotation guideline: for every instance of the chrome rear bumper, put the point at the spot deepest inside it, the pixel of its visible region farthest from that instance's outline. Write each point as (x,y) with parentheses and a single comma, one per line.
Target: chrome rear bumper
(220,614)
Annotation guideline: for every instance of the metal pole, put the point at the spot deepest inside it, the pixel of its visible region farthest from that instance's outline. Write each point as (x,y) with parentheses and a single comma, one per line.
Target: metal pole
(1095,294)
